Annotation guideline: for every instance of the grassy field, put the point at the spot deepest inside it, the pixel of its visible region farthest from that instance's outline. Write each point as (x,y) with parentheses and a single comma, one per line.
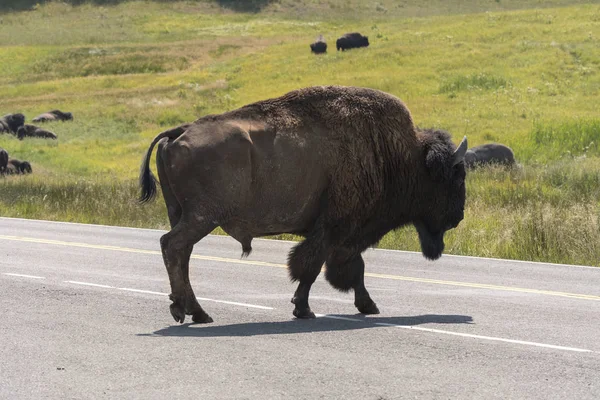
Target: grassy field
(524,73)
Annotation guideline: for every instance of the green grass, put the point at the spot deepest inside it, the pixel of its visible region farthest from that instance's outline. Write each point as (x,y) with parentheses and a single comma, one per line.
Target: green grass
(505,71)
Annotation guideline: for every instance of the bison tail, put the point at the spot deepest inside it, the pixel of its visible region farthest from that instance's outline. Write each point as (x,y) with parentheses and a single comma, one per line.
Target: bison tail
(147,179)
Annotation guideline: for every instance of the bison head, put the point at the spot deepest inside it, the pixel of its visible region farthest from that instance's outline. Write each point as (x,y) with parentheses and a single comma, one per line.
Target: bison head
(15,121)
(443,199)
(25,167)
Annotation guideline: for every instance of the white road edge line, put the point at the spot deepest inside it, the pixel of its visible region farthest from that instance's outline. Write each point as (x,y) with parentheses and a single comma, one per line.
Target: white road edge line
(143,291)
(233,303)
(90,284)
(468,335)
(338,317)
(23,275)
(416,328)
(492,338)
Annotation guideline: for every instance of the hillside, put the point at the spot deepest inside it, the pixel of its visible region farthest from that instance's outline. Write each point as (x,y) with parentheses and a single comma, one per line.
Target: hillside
(495,71)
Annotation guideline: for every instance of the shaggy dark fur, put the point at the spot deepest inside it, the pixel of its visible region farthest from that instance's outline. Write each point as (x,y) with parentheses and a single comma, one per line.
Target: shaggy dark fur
(491,153)
(319,46)
(28,130)
(10,123)
(3,160)
(352,41)
(18,167)
(341,166)
(54,115)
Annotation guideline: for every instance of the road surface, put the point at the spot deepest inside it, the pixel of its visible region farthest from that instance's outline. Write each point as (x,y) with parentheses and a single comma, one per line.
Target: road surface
(84,315)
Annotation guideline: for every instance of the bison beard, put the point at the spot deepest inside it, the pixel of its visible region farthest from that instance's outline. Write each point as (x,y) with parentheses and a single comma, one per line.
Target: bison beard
(432,244)
(341,166)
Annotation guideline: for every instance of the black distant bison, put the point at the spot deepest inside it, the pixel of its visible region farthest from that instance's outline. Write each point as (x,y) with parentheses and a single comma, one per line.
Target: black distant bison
(18,167)
(28,130)
(3,160)
(352,41)
(10,123)
(319,46)
(340,166)
(54,115)
(491,153)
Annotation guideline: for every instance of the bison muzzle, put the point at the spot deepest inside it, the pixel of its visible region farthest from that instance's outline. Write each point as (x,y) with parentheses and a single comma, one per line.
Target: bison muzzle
(340,166)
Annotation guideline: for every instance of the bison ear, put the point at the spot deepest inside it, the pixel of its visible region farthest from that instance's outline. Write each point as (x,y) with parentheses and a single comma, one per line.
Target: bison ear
(437,161)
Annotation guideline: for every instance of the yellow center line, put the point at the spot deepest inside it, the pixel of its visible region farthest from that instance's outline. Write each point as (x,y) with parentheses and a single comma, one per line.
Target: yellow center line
(267,264)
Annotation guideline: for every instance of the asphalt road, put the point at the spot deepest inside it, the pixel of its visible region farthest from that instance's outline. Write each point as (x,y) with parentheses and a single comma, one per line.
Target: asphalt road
(84,315)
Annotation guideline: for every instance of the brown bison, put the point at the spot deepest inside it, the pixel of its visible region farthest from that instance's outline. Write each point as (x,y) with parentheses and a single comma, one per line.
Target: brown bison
(10,123)
(18,167)
(340,166)
(28,130)
(352,41)
(3,160)
(54,115)
(319,46)
(491,153)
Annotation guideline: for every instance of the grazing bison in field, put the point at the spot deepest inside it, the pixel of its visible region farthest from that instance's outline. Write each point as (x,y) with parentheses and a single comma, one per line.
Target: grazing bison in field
(352,41)
(28,130)
(3,160)
(10,123)
(491,153)
(341,166)
(319,46)
(18,167)
(54,115)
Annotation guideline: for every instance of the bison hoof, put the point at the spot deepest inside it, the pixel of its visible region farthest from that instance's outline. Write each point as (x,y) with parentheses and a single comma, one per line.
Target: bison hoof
(303,313)
(177,312)
(201,317)
(368,307)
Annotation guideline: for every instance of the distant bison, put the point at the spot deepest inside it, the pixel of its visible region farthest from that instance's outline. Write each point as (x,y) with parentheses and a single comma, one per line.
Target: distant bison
(54,115)
(18,167)
(491,153)
(352,41)
(340,166)
(319,46)
(28,130)
(3,160)
(10,123)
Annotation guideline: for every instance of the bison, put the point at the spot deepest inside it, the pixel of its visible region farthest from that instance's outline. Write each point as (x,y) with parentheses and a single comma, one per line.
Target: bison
(319,46)
(351,41)
(28,130)
(18,167)
(491,153)
(3,160)
(54,115)
(340,166)
(10,123)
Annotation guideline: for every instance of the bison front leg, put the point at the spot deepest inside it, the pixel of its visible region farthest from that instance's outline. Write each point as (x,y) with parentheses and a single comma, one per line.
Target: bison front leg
(305,262)
(346,270)
(176,248)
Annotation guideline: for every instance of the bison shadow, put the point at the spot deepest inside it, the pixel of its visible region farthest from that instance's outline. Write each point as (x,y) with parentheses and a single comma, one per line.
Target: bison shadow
(234,5)
(304,326)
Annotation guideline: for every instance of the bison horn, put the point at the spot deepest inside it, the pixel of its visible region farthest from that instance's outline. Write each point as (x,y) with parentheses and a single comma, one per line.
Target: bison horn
(459,153)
